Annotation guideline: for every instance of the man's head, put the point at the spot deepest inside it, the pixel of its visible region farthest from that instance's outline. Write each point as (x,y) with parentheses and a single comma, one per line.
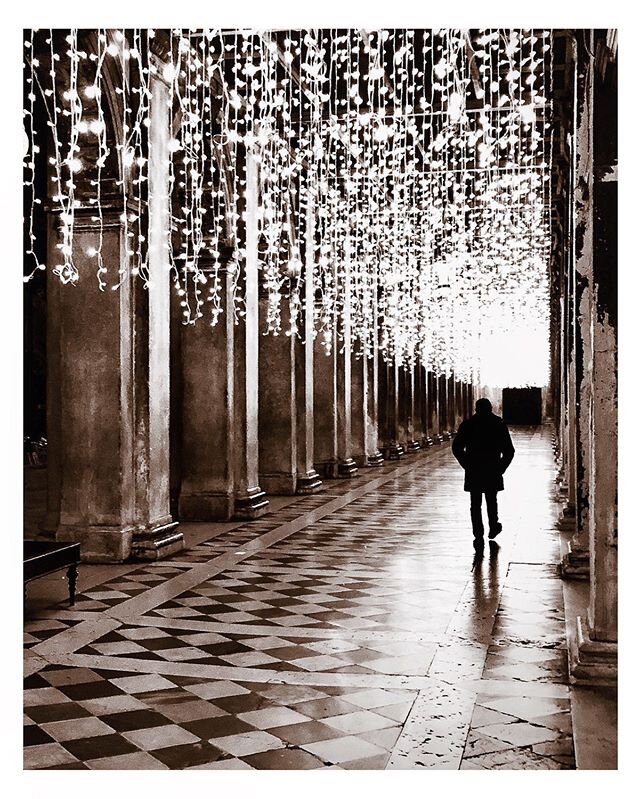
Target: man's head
(483,406)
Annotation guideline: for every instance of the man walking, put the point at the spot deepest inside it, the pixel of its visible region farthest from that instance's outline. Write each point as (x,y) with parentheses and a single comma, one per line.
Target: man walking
(482,446)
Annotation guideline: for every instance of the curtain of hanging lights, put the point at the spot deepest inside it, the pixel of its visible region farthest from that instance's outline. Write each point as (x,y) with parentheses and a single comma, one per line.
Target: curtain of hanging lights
(424,155)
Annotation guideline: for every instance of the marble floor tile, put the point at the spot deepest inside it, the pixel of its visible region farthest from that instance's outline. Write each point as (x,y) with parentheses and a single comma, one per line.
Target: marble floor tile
(344,631)
(358,722)
(341,750)
(248,743)
(160,737)
(272,717)
(47,755)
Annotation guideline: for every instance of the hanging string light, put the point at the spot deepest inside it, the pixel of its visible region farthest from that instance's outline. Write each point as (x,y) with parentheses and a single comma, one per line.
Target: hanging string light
(425,156)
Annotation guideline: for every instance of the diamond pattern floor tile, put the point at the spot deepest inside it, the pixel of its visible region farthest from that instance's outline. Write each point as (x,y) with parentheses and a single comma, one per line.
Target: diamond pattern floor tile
(353,607)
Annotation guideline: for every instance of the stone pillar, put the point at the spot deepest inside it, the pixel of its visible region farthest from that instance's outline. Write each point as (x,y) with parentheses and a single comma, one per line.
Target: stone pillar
(413,418)
(277,422)
(453,395)
(444,407)
(347,466)
(108,383)
(575,515)
(249,498)
(390,423)
(220,399)
(434,407)
(308,480)
(359,392)
(594,655)
(325,417)
(422,389)
(208,414)
(402,394)
(374,455)
(461,409)
(364,411)
(156,534)
(332,398)
(418,406)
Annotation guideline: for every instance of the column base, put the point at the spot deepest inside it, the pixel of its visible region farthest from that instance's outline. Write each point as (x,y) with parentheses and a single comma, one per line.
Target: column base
(427,442)
(393,452)
(157,543)
(309,483)
(575,563)
(251,505)
(447,435)
(99,543)
(413,446)
(328,469)
(205,507)
(592,662)
(567,518)
(376,459)
(347,468)
(437,438)
(279,484)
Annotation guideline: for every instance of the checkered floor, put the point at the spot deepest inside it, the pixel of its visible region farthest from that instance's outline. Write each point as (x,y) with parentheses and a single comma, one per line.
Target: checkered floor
(364,638)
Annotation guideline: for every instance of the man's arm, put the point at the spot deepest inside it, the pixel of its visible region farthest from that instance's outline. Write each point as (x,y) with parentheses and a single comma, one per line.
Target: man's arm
(507,449)
(459,443)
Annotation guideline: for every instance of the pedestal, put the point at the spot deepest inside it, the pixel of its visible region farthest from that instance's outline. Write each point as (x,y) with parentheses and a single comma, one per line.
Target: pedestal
(592,662)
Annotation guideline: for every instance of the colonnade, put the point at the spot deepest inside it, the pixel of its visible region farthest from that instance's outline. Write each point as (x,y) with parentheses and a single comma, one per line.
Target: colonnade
(584,377)
(151,421)
(156,422)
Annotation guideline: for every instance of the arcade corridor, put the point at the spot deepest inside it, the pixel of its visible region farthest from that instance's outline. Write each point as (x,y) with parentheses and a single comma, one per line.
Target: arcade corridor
(268,276)
(349,629)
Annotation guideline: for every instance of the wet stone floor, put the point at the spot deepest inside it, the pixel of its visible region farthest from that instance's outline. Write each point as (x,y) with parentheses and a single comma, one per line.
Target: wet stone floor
(352,629)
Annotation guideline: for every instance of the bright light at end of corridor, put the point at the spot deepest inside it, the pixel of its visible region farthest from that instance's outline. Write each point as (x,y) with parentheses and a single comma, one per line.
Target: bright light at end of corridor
(515,356)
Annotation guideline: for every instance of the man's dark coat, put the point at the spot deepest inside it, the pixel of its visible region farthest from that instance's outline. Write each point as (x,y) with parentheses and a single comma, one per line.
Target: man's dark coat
(483,448)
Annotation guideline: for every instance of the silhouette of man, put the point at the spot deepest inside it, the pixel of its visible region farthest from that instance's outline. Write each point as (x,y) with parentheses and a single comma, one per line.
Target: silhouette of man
(482,446)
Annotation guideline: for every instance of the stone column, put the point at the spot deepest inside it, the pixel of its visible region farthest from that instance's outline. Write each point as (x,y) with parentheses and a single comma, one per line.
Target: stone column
(575,516)
(325,417)
(220,399)
(208,414)
(156,534)
(332,397)
(364,411)
(108,383)
(453,402)
(249,498)
(308,480)
(434,407)
(444,407)
(418,404)
(277,422)
(347,466)
(422,389)
(594,656)
(391,447)
(401,378)
(413,420)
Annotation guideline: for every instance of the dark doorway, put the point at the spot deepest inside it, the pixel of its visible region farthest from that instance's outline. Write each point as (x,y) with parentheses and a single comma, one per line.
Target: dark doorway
(522,405)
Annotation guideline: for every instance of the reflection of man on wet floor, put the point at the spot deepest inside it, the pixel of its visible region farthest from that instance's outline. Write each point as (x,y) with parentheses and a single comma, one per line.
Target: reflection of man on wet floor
(483,448)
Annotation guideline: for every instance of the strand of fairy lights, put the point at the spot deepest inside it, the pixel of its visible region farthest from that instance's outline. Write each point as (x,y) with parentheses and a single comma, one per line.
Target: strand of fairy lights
(431,212)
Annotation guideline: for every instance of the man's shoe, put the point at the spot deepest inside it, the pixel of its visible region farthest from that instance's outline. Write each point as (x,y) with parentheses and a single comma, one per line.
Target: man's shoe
(478,544)
(495,531)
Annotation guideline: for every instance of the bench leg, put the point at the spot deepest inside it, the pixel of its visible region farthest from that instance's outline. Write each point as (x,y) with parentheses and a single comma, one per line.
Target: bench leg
(72,576)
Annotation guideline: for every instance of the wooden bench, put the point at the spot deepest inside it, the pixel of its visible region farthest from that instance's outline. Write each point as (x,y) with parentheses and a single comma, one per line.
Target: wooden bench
(45,557)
